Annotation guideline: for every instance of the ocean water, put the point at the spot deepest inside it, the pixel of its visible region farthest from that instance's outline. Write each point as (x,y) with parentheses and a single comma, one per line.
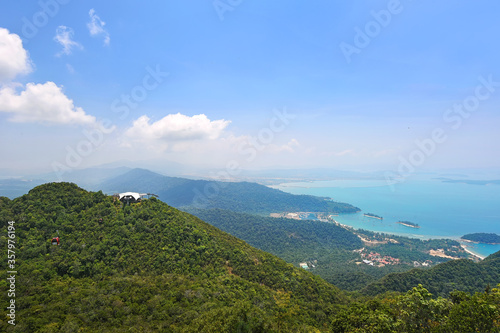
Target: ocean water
(443,210)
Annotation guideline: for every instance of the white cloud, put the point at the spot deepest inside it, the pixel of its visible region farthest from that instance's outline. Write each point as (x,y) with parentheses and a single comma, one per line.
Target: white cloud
(96,27)
(64,36)
(14,59)
(176,129)
(44,103)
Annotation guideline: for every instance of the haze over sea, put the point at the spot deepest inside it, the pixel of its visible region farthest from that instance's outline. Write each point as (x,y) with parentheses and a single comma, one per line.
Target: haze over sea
(443,210)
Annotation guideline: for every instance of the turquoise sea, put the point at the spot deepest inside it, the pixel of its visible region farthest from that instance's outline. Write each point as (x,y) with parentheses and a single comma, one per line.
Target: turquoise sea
(443,210)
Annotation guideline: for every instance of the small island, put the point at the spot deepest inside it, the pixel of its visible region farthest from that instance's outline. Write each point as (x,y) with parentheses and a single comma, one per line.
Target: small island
(472,182)
(373,216)
(409,224)
(481,237)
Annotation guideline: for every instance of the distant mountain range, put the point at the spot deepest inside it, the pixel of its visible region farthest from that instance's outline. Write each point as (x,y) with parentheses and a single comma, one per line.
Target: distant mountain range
(13,188)
(470,181)
(236,196)
(182,192)
(86,178)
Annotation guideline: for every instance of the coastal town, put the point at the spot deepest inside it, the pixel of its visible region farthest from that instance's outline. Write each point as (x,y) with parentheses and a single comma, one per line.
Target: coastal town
(370,255)
(376,259)
(317,216)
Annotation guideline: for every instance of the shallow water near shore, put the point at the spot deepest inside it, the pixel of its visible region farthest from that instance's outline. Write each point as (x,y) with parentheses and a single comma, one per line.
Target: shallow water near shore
(442,210)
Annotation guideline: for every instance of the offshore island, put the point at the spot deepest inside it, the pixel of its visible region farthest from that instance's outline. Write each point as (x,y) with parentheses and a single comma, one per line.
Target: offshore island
(373,216)
(409,224)
(481,237)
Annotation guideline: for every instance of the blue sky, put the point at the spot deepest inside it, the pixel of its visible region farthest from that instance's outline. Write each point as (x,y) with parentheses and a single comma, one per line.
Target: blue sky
(365,84)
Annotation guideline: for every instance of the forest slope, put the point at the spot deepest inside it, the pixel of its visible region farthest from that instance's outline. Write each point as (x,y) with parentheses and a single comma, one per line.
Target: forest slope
(333,252)
(148,266)
(463,274)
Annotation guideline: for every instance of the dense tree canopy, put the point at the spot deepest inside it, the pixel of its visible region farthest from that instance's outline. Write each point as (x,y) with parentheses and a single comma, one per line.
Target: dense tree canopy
(148,267)
(333,252)
(482,237)
(442,279)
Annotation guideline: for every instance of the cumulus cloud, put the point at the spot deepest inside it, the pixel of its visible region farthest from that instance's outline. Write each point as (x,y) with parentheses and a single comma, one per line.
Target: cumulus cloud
(44,103)
(96,27)
(176,128)
(14,59)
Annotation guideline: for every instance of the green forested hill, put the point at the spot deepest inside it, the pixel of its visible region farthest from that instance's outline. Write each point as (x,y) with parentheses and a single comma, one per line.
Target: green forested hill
(294,240)
(148,267)
(326,247)
(236,196)
(463,274)
(482,237)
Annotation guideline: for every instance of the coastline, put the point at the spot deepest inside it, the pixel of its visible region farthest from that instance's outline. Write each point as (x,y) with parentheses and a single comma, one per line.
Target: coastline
(435,224)
(466,247)
(471,252)
(474,242)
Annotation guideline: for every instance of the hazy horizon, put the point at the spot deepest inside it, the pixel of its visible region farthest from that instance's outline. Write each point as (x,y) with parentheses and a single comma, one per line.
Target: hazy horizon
(392,85)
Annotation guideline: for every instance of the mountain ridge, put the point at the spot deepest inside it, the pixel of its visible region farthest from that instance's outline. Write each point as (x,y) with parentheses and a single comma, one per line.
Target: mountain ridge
(104,244)
(244,197)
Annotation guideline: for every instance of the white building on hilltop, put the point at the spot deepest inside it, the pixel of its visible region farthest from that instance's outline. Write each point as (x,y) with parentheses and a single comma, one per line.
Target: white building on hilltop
(132,197)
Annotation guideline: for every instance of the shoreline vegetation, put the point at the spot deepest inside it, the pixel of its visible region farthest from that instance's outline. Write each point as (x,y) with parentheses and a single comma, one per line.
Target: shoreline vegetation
(481,237)
(329,218)
(373,216)
(409,224)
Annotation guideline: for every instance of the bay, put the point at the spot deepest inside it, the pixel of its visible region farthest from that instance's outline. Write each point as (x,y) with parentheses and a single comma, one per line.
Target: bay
(441,209)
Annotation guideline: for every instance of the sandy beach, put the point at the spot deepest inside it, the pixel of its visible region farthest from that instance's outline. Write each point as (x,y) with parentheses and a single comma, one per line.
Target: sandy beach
(469,251)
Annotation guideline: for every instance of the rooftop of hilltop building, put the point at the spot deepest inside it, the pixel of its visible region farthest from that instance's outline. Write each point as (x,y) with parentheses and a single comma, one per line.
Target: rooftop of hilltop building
(131,197)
